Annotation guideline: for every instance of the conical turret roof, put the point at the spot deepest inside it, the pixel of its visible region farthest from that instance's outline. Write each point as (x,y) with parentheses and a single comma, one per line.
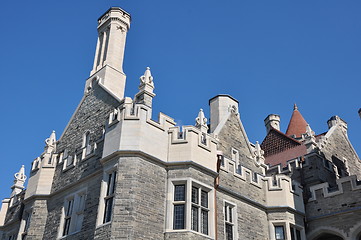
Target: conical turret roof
(297,125)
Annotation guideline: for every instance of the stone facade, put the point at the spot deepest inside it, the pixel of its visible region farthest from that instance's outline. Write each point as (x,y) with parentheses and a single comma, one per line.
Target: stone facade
(115,173)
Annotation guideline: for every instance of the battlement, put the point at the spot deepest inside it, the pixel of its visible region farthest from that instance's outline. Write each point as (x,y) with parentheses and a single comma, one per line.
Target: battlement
(345,185)
(279,190)
(130,128)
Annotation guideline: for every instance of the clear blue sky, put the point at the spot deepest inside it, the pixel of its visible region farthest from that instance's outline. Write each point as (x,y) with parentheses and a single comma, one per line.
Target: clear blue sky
(267,54)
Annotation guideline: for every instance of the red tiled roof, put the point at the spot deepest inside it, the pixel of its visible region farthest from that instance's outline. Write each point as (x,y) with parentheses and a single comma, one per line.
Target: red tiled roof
(276,142)
(297,125)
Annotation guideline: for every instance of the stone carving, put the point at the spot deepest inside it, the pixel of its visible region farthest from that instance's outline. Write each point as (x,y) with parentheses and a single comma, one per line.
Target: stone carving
(147,78)
(259,154)
(201,121)
(233,109)
(20,176)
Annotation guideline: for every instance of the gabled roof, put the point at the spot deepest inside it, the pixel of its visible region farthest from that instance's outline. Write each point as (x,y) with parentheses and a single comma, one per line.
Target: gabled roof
(297,125)
(276,142)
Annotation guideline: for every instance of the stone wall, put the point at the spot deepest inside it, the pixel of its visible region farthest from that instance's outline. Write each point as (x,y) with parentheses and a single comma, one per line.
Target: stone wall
(139,207)
(336,209)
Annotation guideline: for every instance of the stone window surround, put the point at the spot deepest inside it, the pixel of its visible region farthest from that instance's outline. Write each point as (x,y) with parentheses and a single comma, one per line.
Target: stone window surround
(76,214)
(189,182)
(234,222)
(287,229)
(103,193)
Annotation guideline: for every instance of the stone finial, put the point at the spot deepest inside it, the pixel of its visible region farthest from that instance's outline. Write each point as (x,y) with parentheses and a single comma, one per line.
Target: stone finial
(295,106)
(309,132)
(146,87)
(310,140)
(51,140)
(19,180)
(259,154)
(20,176)
(147,78)
(201,121)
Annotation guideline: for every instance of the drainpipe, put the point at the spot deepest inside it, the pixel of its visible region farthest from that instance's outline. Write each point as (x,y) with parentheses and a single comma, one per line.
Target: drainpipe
(216,184)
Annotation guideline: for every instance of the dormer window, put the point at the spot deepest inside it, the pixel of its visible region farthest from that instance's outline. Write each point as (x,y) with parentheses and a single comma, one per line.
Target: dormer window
(86,139)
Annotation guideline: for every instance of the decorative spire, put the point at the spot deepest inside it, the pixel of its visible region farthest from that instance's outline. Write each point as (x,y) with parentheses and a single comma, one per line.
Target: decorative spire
(201,121)
(295,107)
(259,154)
(310,140)
(19,180)
(51,140)
(146,87)
(20,176)
(50,143)
(309,131)
(146,78)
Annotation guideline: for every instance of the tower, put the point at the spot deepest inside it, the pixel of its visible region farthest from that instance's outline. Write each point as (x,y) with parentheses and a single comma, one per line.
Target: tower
(272,121)
(108,61)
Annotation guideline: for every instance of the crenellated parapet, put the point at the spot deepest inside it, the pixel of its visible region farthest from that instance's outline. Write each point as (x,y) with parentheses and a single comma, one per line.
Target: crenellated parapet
(278,191)
(192,144)
(130,128)
(283,191)
(347,186)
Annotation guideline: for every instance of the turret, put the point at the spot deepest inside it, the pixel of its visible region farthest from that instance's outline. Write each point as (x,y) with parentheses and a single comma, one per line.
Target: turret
(42,171)
(108,61)
(272,121)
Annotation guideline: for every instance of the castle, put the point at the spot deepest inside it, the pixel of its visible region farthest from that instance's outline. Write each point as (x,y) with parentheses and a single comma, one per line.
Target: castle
(115,173)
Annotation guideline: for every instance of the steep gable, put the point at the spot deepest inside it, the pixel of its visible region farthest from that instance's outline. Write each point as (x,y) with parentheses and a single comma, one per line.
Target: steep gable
(231,135)
(90,116)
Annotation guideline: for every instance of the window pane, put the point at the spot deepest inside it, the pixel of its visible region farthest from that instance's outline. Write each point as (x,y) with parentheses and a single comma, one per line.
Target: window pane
(194,218)
(179,192)
(114,176)
(109,184)
(66,226)
(230,214)
(204,199)
(229,231)
(178,216)
(226,213)
(195,195)
(204,223)
(108,210)
(69,208)
(279,232)
(298,234)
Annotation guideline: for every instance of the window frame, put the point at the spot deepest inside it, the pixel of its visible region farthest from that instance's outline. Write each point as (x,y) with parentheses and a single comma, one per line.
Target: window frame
(229,207)
(189,183)
(72,220)
(105,196)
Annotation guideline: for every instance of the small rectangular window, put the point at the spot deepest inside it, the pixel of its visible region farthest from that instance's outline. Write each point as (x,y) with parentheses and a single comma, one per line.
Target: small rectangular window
(109,198)
(195,195)
(194,218)
(67,218)
(179,216)
(279,232)
(228,219)
(179,192)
